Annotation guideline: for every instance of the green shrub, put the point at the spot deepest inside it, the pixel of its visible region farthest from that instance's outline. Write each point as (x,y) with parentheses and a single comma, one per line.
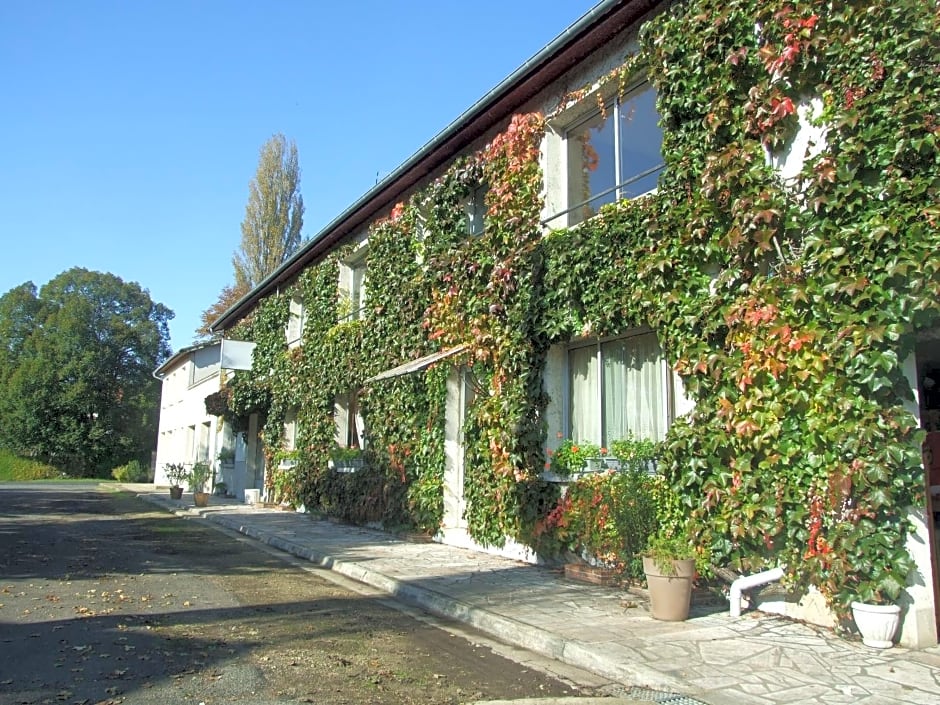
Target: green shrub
(199,476)
(16,469)
(608,518)
(132,471)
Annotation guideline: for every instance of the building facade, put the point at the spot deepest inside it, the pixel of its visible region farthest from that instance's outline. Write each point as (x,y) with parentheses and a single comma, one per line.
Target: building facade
(190,433)
(711,227)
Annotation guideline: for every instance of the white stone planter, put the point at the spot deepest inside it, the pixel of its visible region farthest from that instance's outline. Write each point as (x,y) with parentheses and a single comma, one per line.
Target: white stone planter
(348,465)
(876,623)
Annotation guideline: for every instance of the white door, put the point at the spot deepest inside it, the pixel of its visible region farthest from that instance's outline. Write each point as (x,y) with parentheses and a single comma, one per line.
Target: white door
(459,399)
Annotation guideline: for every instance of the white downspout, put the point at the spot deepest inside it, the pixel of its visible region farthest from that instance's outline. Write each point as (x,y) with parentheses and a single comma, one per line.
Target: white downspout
(746,582)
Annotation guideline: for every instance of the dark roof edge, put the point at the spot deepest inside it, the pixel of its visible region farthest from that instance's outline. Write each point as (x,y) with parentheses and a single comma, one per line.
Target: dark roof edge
(598,25)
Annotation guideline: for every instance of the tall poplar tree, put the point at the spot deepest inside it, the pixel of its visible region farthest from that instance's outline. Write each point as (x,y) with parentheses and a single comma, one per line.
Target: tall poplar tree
(271,229)
(274,214)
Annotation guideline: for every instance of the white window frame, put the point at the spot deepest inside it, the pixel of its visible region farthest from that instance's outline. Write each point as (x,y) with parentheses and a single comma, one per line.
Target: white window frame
(573,210)
(667,380)
(350,427)
(289,441)
(474,208)
(353,283)
(296,321)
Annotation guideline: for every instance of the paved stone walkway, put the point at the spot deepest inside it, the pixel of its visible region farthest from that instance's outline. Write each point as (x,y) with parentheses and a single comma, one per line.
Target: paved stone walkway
(711,658)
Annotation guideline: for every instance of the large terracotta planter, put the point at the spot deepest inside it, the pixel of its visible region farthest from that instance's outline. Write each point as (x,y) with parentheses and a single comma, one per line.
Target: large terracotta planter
(670,591)
(201,499)
(876,623)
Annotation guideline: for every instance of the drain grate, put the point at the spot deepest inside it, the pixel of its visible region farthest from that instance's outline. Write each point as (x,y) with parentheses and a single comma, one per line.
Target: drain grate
(650,695)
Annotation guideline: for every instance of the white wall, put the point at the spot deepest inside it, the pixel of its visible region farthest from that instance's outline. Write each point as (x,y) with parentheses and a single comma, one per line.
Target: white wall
(183,412)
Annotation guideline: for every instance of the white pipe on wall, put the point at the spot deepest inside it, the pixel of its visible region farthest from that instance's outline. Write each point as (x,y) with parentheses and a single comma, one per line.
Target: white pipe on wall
(746,582)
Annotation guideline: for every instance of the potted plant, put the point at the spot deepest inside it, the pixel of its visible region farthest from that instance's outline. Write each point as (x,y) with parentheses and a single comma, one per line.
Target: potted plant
(176,474)
(876,614)
(635,454)
(199,477)
(669,565)
(346,459)
(568,461)
(227,456)
(877,623)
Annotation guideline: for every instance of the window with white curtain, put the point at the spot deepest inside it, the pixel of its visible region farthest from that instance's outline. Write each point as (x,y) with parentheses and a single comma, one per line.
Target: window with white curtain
(295,321)
(349,423)
(475,211)
(290,429)
(618,388)
(352,286)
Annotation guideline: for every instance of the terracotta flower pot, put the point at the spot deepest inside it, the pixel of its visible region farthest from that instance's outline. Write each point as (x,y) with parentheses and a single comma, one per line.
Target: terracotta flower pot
(201,499)
(670,591)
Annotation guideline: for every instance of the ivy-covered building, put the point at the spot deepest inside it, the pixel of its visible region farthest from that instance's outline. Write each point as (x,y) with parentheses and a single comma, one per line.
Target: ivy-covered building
(709,227)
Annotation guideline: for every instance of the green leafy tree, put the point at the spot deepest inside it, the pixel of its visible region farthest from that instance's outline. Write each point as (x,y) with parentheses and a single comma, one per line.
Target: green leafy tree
(78,392)
(274,215)
(18,310)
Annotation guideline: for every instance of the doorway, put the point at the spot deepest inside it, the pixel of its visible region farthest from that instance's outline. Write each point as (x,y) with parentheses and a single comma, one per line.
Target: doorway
(928,395)
(460,396)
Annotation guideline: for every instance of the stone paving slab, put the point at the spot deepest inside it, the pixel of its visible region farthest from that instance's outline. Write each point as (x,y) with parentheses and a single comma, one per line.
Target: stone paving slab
(711,657)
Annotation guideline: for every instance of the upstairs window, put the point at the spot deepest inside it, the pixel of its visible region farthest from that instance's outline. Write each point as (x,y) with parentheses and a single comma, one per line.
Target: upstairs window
(352,287)
(474,206)
(613,154)
(295,323)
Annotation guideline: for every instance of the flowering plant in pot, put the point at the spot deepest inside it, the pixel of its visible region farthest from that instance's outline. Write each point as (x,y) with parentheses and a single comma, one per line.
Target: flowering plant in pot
(176,474)
(571,457)
(605,519)
(343,459)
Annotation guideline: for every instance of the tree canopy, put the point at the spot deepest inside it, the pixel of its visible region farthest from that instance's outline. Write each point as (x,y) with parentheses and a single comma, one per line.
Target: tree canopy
(228,297)
(76,389)
(274,215)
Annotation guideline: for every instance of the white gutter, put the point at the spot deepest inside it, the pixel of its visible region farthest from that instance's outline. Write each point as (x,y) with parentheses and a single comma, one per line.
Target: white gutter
(746,582)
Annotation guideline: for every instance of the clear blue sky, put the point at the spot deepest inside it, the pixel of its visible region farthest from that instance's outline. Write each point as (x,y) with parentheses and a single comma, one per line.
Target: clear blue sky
(130,130)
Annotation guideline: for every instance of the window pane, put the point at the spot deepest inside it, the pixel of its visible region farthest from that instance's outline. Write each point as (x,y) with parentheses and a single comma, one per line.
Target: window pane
(591,166)
(635,395)
(290,429)
(358,294)
(641,141)
(584,403)
(475,207)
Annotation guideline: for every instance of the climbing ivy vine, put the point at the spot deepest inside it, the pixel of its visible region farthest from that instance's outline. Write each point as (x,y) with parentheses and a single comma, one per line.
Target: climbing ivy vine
(785,305)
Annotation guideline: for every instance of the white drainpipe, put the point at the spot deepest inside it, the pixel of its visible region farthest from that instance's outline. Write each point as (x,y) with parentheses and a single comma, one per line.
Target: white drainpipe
(747,582)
